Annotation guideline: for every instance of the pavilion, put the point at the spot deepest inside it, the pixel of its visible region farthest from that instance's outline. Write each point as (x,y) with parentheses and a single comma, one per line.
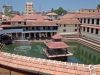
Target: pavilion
(56,50)
(57,37)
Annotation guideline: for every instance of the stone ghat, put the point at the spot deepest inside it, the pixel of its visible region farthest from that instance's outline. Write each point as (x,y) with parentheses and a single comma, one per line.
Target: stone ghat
(47,66)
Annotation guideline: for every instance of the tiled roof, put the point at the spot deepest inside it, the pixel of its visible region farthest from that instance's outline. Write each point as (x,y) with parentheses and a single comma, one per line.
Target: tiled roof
(34,17)
(69,21)
(42,23)
(56,45)
(89,16)
(80,15)
(17,18)
(57,36)
(34,23)
(91,26)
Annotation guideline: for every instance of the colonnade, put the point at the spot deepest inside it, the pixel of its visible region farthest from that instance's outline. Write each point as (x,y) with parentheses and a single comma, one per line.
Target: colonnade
(37,35)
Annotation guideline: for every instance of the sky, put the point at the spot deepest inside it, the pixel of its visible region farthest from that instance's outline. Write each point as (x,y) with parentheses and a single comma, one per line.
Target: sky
(46,5)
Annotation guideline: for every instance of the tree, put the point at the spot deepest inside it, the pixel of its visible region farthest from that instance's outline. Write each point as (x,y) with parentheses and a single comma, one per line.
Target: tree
(52,10)
(60,11)
(98,6)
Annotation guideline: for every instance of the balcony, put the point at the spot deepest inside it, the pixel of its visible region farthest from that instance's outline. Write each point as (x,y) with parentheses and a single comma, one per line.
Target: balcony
(35,31)
(11,31)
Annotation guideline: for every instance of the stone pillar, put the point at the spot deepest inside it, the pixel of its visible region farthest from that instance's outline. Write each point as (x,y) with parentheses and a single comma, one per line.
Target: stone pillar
(11,36)
(82,21)
(23,36)
(86,21)
(16,35)
(99,21)
(35,35)
(45,34)
(29,35)
(90,21)
(51,34)
(95,21)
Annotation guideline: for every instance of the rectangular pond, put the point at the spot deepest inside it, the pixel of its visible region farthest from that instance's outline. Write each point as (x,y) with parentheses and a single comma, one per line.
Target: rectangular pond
(81,53)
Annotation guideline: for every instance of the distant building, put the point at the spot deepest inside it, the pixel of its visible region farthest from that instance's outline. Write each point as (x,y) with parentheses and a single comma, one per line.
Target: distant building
(29,8)
(90,11)
(52,16)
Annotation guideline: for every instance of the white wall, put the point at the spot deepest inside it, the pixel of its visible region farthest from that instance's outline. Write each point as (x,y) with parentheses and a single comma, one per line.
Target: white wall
(91,35)
(69,29)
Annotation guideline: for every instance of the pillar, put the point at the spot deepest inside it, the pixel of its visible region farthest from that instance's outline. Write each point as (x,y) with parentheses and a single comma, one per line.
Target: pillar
(23,36)
(82,21)
(35,35)
(45,34)
(86,21)
(90,21)
(29,35)
(40,35)
(95,21)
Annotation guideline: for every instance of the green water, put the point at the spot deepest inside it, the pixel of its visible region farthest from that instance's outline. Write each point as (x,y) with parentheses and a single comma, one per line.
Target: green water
(35,51)
(82,54)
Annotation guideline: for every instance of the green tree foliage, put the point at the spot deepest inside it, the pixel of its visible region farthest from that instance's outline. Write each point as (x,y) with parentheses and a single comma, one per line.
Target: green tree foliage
(98,6)
(59,11)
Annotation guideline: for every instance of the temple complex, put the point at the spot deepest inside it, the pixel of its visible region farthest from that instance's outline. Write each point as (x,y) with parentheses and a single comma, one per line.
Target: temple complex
(82,26)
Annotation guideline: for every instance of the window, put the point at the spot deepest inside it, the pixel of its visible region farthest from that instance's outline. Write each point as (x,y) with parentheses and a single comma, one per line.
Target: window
(88,29)
(26,28)
(64,25)
(24,23)
(19,22)
(97,21)
(75,25)
(92,21)
(83,28)
(88,21)
(64,30)
(96,31)
(92,30)
(84,20)
(81,20)
(32,28)
(75,29)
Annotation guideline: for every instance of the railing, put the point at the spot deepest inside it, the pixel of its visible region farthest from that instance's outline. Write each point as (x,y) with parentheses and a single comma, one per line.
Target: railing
(34,31)
(23,31)
(11,31)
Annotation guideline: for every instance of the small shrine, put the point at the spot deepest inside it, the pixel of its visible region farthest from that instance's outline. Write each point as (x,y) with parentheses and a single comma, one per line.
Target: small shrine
(56,48)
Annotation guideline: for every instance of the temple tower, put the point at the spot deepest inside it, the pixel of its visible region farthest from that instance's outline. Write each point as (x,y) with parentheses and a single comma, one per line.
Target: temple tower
(29,8)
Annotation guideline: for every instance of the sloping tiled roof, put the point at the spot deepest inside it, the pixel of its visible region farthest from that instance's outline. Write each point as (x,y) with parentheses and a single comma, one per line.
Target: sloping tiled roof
(57,36)
(34,23)
(69,21)
(34,17)
(80,15)
(89,16)
(56,45)
(17,18)
(42,23)
(91,26)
